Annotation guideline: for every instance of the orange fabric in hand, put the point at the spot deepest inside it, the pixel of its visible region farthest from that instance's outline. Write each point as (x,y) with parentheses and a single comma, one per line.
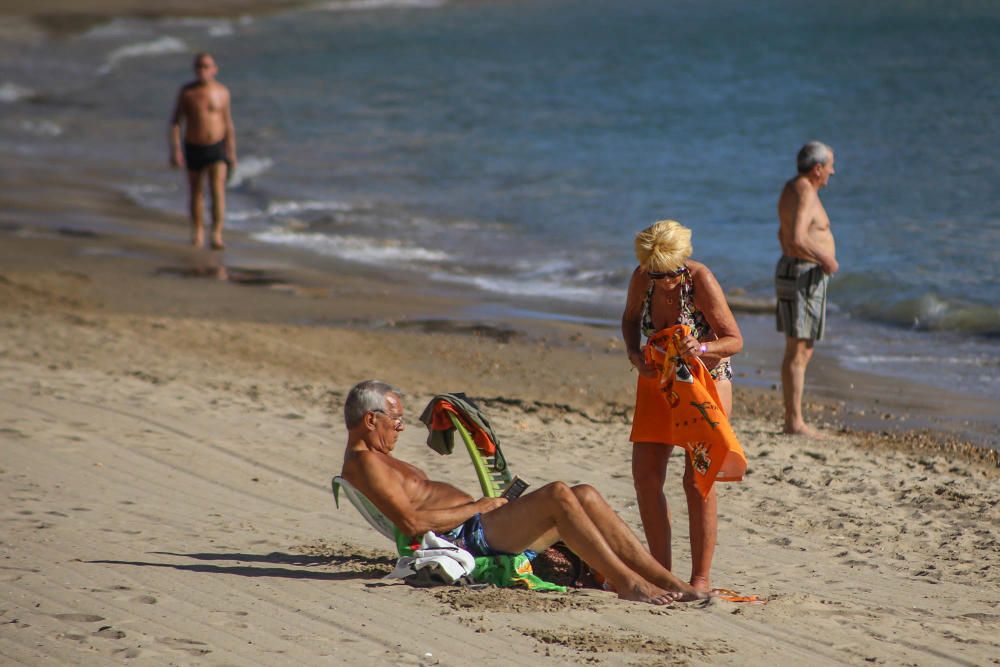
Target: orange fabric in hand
(681,407)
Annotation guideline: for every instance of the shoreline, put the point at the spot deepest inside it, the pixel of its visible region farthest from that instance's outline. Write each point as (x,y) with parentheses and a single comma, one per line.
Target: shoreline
(300,287)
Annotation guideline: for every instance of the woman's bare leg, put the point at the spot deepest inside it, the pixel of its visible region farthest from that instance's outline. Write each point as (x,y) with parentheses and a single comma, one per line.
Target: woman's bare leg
(649,471)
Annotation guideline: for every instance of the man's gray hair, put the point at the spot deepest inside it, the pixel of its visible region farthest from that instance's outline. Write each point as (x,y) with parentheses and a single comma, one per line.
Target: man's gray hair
(812,154)
(365,397)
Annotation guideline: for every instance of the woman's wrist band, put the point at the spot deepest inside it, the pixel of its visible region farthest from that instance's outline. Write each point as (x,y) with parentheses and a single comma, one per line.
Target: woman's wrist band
(703,349)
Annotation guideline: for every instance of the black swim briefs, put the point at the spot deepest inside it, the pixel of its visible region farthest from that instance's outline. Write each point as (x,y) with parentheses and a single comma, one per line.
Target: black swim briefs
(199,156)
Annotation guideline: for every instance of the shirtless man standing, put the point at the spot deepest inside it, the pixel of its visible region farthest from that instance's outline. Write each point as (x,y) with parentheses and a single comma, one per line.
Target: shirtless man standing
(209,145)
(577,515)
(807,262)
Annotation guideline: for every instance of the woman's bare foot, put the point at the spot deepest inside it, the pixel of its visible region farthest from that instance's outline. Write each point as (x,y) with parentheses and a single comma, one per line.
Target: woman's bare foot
(700,584)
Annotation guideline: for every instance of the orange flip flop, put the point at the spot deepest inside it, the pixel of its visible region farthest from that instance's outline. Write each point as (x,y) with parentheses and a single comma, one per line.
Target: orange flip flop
(732,596)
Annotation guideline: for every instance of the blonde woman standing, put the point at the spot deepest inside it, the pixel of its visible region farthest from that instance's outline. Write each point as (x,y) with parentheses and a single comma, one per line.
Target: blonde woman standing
(669,288)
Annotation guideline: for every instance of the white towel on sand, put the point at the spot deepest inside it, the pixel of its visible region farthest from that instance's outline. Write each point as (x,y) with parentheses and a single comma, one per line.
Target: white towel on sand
(449,563)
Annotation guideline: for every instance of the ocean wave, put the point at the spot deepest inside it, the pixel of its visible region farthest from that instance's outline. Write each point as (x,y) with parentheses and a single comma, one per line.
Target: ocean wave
(214,27)
(249,167)
(282,208)
(11,92)
(156,47)
(927,359)
(285,209)
(354,248)
(360,5)
(525,286)
(113,29)
(42,128)
(931,312)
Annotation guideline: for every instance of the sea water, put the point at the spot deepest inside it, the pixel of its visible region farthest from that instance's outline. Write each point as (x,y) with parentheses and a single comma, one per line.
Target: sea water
(515,148)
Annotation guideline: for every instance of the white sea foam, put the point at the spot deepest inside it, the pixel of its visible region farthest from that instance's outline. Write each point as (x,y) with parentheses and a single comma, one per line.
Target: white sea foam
(113,29)
(11,92)
(523,286)
(41,128)
(361,5)
(157,47)
(281,208)
(214,27)
(354,248)
(249,167)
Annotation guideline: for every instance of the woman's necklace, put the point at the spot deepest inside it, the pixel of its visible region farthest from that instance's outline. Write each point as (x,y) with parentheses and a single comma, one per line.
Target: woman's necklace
(668,294)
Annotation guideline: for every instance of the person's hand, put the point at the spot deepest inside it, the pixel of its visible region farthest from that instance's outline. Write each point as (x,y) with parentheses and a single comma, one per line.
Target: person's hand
(689,346)
(176,159)
(485,504)
(638,360)
(830,267)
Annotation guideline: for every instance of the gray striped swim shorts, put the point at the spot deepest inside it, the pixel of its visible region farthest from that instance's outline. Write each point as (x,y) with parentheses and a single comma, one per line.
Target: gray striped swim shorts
(801,288)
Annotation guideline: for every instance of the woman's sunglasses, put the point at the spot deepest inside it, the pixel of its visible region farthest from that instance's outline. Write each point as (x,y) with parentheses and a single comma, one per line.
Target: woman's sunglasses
(657,275)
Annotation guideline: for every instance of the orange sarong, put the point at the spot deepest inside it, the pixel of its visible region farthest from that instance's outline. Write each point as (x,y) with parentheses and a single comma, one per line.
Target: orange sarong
(681,407)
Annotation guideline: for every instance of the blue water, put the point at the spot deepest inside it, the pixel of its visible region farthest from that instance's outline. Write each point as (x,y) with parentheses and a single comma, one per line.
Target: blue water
(517,147)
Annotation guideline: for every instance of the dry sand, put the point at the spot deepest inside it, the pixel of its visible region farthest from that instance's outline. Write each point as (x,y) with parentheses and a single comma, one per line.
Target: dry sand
(167,444)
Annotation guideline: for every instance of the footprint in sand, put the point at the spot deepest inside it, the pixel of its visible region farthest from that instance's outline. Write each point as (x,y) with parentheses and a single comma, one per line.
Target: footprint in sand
(107,632)
(187,645)
(129,652)
(144,599)
(78,618)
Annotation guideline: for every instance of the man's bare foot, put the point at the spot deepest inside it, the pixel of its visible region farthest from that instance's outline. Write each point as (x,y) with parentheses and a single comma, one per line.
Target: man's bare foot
(217,244)
(649,594)
(804,429)
(197,238)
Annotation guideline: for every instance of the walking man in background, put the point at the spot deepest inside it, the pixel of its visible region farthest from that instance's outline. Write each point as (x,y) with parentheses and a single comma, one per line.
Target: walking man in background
(808,260)
(209,145)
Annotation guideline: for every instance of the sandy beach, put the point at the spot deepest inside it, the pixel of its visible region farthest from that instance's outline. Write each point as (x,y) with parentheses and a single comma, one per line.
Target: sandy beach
(170,419)
(168,443)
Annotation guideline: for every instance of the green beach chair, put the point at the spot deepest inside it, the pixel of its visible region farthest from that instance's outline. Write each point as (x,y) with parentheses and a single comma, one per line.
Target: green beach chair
(447,414)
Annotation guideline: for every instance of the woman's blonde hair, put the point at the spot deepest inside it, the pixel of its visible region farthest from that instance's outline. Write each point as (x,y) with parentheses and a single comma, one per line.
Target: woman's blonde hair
(663,246)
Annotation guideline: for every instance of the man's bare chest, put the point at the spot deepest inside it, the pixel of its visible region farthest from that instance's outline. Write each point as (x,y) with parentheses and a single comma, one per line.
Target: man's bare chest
(204,102)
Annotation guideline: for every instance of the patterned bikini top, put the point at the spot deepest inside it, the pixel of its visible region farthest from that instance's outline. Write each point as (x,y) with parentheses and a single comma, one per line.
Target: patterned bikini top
(689,315)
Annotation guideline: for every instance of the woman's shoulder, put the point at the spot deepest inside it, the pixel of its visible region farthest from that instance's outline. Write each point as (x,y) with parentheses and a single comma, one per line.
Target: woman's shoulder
(697,270)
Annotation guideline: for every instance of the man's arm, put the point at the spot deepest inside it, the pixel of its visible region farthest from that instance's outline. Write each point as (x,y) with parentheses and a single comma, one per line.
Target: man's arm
(806,201)
(230,134)
(383,486)
(174,134)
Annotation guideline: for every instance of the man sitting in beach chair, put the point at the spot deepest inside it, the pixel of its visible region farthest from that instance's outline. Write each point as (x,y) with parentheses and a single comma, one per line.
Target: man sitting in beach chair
(578,515)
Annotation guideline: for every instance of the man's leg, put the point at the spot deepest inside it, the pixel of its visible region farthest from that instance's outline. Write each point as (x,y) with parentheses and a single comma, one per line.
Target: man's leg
(537,520)
(625,544)
(196,207)
(798,352)
(649,471)
(217,177)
